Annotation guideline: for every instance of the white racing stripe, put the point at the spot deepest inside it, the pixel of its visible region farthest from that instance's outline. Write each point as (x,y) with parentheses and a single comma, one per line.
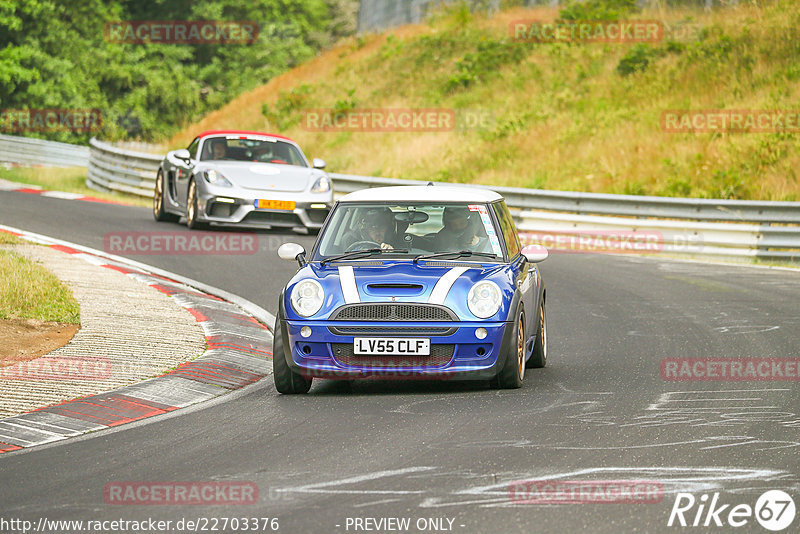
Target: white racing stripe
(347,279)
(442,287)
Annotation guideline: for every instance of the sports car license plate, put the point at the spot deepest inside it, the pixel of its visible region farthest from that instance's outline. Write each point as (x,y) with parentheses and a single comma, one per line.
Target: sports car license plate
(392,346)
(287,205)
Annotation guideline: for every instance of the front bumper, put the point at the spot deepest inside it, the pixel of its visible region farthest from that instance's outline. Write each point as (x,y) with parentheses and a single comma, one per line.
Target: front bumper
(456,353)
(308,212)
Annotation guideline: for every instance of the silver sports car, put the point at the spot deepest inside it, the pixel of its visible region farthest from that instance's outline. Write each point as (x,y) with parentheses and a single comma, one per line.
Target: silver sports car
(249,179)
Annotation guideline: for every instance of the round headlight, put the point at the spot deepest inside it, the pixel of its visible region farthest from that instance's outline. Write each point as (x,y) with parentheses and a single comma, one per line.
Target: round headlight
(322,185)
(214,177)
(307,297)
(484,299)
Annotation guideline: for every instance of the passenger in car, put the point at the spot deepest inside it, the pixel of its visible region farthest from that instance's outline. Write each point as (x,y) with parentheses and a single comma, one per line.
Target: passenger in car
(459,231)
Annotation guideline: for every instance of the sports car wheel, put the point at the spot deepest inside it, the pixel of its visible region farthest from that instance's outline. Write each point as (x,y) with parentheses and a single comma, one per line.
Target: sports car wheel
(286,380)
(539,357)
(191,208)
(513,370)
(159,213)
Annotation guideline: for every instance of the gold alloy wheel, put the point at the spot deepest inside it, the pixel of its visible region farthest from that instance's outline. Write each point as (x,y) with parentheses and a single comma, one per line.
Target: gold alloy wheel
(521,347)
(543,333)
(158,198)
(190,213)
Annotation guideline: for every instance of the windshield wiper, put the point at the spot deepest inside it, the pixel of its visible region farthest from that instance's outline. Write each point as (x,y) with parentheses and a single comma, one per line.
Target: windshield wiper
(456,254)
(361,254)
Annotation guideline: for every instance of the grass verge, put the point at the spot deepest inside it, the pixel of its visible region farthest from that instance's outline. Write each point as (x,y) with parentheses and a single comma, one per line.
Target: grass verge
(29,291)
(9,239)
(69,180)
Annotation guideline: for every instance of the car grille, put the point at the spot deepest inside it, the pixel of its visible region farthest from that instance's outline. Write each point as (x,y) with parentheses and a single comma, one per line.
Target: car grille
(392,330)
(439,357)
(272,217)
(394,312)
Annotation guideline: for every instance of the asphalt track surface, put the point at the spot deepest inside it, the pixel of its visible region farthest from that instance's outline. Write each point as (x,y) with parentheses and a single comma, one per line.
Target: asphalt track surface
(378,449)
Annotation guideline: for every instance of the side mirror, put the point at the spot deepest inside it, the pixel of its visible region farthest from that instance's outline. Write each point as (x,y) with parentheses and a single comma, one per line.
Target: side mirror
(183,154)
(319,163)
(292,252)
(535,253)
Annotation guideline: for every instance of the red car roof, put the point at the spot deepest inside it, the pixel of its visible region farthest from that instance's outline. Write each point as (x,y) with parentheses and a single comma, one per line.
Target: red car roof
(241,132)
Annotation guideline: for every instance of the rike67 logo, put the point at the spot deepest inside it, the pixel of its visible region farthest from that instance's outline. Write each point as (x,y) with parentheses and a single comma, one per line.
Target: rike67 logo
(774,510)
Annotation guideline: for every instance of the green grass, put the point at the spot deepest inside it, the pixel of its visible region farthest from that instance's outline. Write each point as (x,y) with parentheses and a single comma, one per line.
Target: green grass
(577,116)
(9,239)
(69,180)
(29,291)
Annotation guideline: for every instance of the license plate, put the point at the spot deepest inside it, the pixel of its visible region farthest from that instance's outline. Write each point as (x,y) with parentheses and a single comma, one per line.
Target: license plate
(392,346)
(287,205)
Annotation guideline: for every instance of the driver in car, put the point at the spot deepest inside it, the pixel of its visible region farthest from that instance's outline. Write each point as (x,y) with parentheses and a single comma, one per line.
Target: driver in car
(219,149)
(375,228)
(458,232)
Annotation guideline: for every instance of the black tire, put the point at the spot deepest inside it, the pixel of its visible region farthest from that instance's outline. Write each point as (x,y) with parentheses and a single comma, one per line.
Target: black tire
(512,373)
(191,209)
(159,213)
(538,358)
(286,381)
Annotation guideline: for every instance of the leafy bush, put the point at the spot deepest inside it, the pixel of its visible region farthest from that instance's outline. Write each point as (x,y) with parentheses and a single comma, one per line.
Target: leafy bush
(637,59)
(285,112)
(55,55)
(597,9)
(479,65)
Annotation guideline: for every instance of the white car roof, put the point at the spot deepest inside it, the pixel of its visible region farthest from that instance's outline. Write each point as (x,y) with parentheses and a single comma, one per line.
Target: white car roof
(422,193)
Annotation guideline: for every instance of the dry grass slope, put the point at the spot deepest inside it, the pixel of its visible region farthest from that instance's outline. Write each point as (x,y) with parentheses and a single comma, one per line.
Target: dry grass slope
(564,117)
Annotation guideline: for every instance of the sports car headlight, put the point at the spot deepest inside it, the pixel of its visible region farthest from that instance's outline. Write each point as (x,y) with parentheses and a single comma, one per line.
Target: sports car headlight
(214,177)
(307,297)
(484,299)
(322,185)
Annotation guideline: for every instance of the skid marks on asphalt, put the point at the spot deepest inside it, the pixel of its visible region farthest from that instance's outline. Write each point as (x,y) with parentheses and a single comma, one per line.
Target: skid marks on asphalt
(436,487)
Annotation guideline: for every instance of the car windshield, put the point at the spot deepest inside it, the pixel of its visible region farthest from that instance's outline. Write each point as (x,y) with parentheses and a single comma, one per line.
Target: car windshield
(262,150)
(411,229)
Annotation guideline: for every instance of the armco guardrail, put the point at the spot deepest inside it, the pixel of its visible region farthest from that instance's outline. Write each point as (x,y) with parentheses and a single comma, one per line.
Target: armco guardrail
(698,209)
(31,151)
(723,229)
(730,229)
(118,169)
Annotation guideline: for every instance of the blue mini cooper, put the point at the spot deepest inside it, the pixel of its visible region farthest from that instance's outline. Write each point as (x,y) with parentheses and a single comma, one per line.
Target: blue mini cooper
(413,282)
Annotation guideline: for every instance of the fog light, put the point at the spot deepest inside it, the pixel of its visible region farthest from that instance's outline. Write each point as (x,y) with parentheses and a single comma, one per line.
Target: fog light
(225,200)
(305,331)
(480,333)
(319,206)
